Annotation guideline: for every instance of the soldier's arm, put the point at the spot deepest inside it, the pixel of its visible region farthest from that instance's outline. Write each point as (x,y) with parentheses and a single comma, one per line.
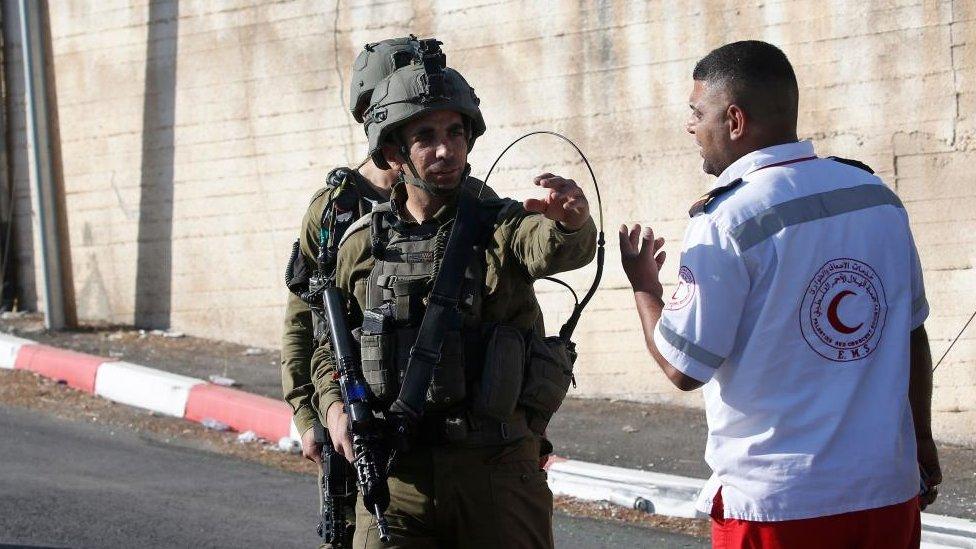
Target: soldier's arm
(296,355)
(297,340)
(543,247)
(561,236)
(323,372)
(546,249)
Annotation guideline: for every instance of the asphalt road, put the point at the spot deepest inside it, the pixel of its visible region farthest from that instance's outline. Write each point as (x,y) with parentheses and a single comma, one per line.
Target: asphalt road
(71,484)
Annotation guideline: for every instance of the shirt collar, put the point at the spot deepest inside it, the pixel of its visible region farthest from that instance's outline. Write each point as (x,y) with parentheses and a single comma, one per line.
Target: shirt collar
(764,158)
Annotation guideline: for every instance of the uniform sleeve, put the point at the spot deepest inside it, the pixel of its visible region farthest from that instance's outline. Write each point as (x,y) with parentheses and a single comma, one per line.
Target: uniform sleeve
(545,249)
(311,225)
(920,305)
(297,340)
(296,354)
(697,329)
(326,388)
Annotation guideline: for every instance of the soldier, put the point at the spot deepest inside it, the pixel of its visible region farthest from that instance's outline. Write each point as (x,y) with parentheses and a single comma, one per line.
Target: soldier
(348,195)
(477,387)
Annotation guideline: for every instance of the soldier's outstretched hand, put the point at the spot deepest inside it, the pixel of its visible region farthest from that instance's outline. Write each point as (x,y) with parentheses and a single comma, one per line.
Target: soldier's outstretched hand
(564,203)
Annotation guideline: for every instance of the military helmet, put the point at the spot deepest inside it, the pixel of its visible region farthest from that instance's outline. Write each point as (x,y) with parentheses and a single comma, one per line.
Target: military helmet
(377,61)
(412,91)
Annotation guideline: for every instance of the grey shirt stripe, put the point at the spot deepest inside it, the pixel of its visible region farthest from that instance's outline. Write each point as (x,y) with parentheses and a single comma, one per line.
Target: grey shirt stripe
(694,351)
(810,208)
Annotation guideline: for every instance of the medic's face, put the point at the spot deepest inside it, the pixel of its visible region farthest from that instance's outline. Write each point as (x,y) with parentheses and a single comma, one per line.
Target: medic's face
(710,124)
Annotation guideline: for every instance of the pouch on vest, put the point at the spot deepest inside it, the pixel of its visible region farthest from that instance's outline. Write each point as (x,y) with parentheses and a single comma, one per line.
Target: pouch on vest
(547,378)
(377,341)
(502,374)
(296,271)
(447,387)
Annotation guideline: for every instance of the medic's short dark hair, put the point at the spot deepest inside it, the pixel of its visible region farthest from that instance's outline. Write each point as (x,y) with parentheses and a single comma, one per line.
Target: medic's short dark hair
(758,76)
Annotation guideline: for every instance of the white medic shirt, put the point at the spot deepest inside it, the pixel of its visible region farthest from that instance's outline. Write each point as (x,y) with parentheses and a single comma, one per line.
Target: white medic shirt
(798,290)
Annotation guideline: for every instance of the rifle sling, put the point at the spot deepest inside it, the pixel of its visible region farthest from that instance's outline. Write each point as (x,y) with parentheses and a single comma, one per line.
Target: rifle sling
(442,314)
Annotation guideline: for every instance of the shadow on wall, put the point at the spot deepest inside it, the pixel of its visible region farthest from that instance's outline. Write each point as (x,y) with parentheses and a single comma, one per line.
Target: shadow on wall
(57,174)
(155,243)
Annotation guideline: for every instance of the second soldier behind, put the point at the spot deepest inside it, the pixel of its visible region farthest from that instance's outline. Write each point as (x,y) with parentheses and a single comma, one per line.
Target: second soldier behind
(469,475)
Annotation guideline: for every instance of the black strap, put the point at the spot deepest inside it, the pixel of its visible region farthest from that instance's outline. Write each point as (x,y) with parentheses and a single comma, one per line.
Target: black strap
(702,203)
(377,232)
(443,313)
(345,207)
(851,162)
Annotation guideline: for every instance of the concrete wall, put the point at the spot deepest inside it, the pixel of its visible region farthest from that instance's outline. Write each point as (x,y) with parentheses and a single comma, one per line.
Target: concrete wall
(193,134)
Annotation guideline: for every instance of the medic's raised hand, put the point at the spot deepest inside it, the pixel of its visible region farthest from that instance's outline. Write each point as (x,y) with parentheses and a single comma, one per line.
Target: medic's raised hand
(642,259)
(565,202)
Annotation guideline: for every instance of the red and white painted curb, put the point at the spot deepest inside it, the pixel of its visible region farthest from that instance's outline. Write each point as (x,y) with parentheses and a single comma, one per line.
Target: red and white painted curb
(198,400)
(162,392)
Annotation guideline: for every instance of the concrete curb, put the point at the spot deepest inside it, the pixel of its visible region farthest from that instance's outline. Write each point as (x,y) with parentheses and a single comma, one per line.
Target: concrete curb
(157,390)
(941,531)
(198,400)
(78,370)
(241,411)
(675,496)
(135,385)
(9,348)
(658,493)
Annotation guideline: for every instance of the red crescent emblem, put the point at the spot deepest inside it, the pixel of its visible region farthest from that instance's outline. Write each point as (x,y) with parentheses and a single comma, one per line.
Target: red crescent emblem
(821,325)
(834,319)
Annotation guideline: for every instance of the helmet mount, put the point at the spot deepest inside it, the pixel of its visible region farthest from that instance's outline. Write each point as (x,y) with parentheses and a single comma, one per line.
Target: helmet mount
(412,92)
(378,60)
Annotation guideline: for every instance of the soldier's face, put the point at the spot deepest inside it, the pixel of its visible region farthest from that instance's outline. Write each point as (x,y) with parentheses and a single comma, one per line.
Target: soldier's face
(438,145)
(709,124)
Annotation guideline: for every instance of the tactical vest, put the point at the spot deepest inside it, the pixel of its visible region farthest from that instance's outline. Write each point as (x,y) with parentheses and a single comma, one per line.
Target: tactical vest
(482,390)
(494,382)
(407,259)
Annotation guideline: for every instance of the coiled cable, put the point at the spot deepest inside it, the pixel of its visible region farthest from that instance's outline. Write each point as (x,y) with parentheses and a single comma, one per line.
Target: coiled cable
(566,332)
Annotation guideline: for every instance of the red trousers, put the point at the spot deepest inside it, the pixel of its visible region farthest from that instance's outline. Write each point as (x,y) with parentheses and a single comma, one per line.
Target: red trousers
(893,527)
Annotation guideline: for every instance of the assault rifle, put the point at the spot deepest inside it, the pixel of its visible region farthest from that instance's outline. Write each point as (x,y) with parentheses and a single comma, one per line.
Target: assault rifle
(368,443)
(337,489)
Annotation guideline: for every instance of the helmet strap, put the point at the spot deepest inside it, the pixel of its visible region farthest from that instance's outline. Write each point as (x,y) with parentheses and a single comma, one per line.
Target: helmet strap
(412,177)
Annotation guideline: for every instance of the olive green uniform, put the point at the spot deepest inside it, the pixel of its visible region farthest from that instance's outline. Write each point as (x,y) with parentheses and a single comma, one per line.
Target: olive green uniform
(298,341)
(298,338)
(457,494)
